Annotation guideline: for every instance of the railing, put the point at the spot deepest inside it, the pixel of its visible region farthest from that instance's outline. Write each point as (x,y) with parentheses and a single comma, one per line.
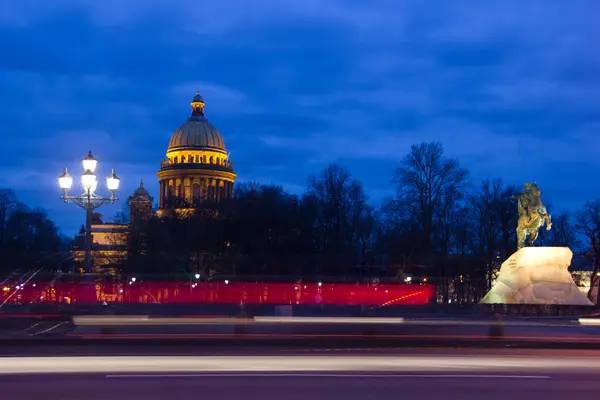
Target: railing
(199,166)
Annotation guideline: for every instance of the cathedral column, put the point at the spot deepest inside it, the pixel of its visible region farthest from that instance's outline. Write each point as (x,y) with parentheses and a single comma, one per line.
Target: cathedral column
(169,193)
(206,186)
(178,192)
(196,191)
(187,190)
(160,194)
(202,189)
(225,189)
(219,189)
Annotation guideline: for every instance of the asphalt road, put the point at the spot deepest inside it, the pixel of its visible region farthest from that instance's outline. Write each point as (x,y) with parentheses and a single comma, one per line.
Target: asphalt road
(280,373)
(301,386)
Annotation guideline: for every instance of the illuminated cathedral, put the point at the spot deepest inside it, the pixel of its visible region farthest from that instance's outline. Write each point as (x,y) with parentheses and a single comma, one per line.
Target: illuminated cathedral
(196,169)
(197,166)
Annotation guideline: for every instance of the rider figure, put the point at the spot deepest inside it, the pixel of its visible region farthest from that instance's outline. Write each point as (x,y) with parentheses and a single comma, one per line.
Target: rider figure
(532,214)
(527,201)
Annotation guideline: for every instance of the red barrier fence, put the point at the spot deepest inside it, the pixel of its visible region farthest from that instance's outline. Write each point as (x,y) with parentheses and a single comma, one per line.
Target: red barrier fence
(217,293)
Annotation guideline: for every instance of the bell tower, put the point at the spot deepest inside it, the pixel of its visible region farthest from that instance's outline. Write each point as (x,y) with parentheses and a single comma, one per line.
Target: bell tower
(140,205)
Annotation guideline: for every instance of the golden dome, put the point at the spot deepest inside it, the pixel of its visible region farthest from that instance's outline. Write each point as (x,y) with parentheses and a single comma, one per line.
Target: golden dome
(197,167)
(197,133)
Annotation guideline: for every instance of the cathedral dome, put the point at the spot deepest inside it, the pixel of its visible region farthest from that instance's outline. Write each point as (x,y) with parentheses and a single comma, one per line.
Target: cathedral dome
(197,133)
(197,166)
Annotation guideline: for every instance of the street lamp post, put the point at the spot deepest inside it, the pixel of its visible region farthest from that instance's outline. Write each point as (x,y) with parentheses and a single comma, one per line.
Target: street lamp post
(88,200)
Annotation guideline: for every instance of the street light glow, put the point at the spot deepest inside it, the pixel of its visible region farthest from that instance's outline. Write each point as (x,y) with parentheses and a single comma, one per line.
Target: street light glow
(89,200)
(65,181)
(88,180)
(112,181)
(197,276)
(89,163)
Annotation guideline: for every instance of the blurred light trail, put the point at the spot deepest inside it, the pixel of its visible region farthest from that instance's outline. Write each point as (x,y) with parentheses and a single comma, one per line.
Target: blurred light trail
(570,338)
(126,320)
(328,320)
(218,293)
(135,320)
(324,375)
(288,363)
(8,294)
(589,321)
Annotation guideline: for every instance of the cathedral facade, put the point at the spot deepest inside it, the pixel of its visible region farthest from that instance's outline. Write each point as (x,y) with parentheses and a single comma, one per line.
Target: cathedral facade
(197,166)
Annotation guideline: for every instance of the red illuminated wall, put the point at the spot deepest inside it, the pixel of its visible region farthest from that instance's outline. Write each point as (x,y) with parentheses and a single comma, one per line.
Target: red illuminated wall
(218,293)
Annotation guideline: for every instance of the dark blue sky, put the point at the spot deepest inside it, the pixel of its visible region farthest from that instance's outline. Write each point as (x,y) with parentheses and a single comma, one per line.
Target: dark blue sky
(512,88)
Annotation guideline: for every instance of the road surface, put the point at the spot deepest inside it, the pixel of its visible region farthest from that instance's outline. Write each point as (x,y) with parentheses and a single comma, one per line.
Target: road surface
(429,374)
(300,387)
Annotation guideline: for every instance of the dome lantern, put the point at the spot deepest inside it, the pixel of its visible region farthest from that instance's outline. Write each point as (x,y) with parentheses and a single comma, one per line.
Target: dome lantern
(197,133)
(197,105)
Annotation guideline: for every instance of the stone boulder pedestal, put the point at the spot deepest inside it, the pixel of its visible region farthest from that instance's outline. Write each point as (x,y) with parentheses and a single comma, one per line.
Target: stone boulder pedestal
(537,275)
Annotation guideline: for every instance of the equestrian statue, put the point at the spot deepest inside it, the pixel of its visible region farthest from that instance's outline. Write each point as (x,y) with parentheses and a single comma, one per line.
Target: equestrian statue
(532,214)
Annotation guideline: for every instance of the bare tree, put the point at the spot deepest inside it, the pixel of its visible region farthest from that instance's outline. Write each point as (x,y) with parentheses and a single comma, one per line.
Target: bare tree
(588,224)
(485,205)
(123,216)
(426,181)
(29,237)
(340,211)
(8,202)
(462,231)
(508,217)
(397,238)
(485,216)
(564,231)
(429,189)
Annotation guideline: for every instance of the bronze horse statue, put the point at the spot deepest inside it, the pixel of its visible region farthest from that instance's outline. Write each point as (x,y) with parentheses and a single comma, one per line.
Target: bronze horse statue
(529,226)
(532,215)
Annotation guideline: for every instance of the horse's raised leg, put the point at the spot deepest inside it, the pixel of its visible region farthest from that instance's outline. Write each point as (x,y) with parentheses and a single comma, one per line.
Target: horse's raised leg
(521,238)
(532,237)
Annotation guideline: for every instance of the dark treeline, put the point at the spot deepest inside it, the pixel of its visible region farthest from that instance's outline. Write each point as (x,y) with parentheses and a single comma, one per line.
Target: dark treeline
(440,227)
(28,239)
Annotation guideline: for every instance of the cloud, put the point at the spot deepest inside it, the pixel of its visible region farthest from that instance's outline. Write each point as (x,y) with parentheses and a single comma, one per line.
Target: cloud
(508,87)
(218,98)
(486,153)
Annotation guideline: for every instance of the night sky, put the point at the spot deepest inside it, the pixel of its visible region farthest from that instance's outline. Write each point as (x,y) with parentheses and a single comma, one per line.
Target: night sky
(511,88)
